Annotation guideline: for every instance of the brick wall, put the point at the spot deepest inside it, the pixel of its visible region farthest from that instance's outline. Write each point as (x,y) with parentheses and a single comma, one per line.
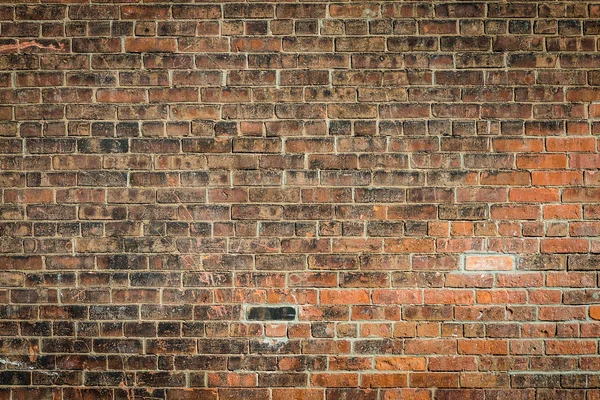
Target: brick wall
(299,200)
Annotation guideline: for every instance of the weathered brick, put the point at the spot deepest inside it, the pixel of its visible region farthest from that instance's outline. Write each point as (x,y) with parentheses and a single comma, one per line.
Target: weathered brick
(417,181)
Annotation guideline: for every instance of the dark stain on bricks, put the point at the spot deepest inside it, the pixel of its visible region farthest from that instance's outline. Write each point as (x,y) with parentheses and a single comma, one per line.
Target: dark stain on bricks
(271,313)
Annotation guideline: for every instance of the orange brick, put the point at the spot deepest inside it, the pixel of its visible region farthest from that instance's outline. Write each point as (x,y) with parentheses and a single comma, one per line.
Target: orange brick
(533,195)
(556,178)
(321,379)
(595,312)
(400,363)
(571,144)
(345,296)
(546,161)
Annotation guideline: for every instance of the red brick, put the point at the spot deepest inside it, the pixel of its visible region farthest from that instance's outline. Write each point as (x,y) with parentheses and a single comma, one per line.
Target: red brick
(149,45)
(392,296)
(564,245)
(304,394)
(256,45)
(149,12)
(382,380)
(571,347)
(417,180)
(556,178)
(510,212)
(120,96)
(478,346)
(434,379)
(562,211)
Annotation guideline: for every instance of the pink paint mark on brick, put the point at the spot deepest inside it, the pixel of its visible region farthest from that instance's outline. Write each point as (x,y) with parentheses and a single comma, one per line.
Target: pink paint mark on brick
(489,262)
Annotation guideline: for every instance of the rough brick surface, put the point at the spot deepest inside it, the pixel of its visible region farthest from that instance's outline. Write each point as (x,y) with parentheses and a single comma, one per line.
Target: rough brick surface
(299,200)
